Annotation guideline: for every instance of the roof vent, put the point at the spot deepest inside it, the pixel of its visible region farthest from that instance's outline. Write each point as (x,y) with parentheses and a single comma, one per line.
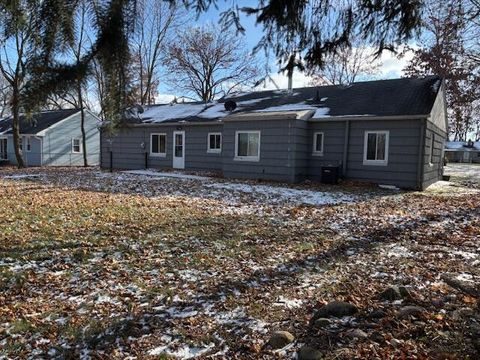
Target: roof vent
(230,105)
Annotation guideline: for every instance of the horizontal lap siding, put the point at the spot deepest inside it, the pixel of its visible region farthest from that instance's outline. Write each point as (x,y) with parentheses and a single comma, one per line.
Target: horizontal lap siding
(196,155)
(402,167)
(32,157)
(433,172)
(333,146)
(277,155)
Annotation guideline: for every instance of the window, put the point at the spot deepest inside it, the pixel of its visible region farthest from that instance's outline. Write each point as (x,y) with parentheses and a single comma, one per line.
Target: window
(3,149)
(20,144)
(28,143)
(375,150)
(318,143)
(247,145)
(214,142)
(432,147)
(76,146)
(158,144)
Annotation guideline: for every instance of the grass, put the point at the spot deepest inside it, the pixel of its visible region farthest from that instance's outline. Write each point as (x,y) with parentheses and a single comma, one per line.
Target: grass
(127,271)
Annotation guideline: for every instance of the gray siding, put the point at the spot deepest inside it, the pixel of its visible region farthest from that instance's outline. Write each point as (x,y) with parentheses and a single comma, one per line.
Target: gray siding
(128,152)
(433,171)
(57,142)
(277,150)
(32,157)
(403,158)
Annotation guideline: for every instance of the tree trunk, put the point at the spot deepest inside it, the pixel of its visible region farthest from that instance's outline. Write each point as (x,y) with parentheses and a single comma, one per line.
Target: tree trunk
(16,128)
(82,125)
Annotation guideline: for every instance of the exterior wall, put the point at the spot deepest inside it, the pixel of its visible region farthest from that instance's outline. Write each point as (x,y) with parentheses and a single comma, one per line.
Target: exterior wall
(128,152)
(32,157)
(460,156)
(433,171)
(277,150)
(403,153)
(57,142)
(333,146)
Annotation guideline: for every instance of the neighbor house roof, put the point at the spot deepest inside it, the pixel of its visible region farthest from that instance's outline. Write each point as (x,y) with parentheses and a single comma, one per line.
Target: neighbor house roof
(395,97)
(37,123)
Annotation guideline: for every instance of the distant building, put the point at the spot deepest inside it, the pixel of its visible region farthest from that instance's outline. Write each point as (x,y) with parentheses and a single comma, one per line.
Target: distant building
(462,151)
(52,138)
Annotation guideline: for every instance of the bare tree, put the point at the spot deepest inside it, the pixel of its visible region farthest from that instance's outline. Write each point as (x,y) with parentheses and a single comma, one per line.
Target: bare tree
(4,96)
(347,65)
(206,63)
(157,22)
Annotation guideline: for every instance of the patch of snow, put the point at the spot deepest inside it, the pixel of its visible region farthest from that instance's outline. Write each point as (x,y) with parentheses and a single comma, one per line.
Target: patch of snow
(288,303)
(465,277)
(165,174)
(183,352)
(282,194)
(388,187)
(22,176)
(288,107)
(160,113)
(321,112)
(399,251)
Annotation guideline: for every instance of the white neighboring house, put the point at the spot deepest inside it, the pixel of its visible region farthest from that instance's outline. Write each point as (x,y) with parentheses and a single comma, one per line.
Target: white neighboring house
(52,138)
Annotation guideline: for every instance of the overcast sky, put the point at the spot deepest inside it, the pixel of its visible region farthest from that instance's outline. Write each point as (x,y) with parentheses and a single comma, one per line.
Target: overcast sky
(391,66)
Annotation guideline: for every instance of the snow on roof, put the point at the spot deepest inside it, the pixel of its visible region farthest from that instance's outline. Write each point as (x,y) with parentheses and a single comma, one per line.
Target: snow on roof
(461,146)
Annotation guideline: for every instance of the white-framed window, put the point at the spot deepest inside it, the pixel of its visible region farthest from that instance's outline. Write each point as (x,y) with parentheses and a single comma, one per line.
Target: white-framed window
(318,143)
(375,149)
(158,144)
(20,143)
(214,142)
(247,145)
(28,143)
(432,148)
(76,146)
(3,149)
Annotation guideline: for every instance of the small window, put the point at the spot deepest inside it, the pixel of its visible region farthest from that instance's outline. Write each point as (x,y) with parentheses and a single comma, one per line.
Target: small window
(20,143)
(76,146)
(214,142)
(28,143)
(376,148)
(432,148)
(318,143)
(247,145)
(158,144)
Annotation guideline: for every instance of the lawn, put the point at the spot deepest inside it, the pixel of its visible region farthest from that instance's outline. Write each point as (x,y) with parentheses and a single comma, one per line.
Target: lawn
(99,265)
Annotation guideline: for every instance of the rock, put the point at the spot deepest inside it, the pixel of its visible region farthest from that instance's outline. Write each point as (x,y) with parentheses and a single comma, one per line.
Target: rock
(336,309)
(322,322)
(377,314)
(280,339)
(395,293)
(357,334)
(439,303)
(408,311)
(309,353)
(378,337)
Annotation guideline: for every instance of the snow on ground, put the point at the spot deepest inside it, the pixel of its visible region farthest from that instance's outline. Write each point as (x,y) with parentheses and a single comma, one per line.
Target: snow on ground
(470,171)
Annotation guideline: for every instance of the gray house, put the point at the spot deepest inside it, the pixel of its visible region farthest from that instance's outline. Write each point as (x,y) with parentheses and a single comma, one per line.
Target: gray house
(387,132)
(52,138)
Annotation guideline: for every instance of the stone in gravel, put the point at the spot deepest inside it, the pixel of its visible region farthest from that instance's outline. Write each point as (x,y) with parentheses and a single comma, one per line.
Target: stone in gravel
(357,334)
(336,309)
(322,322)
(408,311)
(309,353)
(280,339)
(395,293)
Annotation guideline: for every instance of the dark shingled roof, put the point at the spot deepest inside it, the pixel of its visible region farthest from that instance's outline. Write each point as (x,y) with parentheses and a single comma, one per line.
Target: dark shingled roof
(394,97)
(37,122)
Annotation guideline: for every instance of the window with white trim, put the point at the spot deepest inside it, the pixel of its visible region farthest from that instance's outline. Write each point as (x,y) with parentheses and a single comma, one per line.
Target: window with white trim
(28,143)
(375,150)
(76,146)
(20,144)
(318,143)
(432,147)
(247,145)
(158,144)
(214,142)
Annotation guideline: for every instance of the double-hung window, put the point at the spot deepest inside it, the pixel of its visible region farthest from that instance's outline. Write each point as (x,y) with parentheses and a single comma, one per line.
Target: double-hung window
(375,150)
(214,143)
(20,144)
(76,146)
(158,145)
(247,145)
(318,143)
